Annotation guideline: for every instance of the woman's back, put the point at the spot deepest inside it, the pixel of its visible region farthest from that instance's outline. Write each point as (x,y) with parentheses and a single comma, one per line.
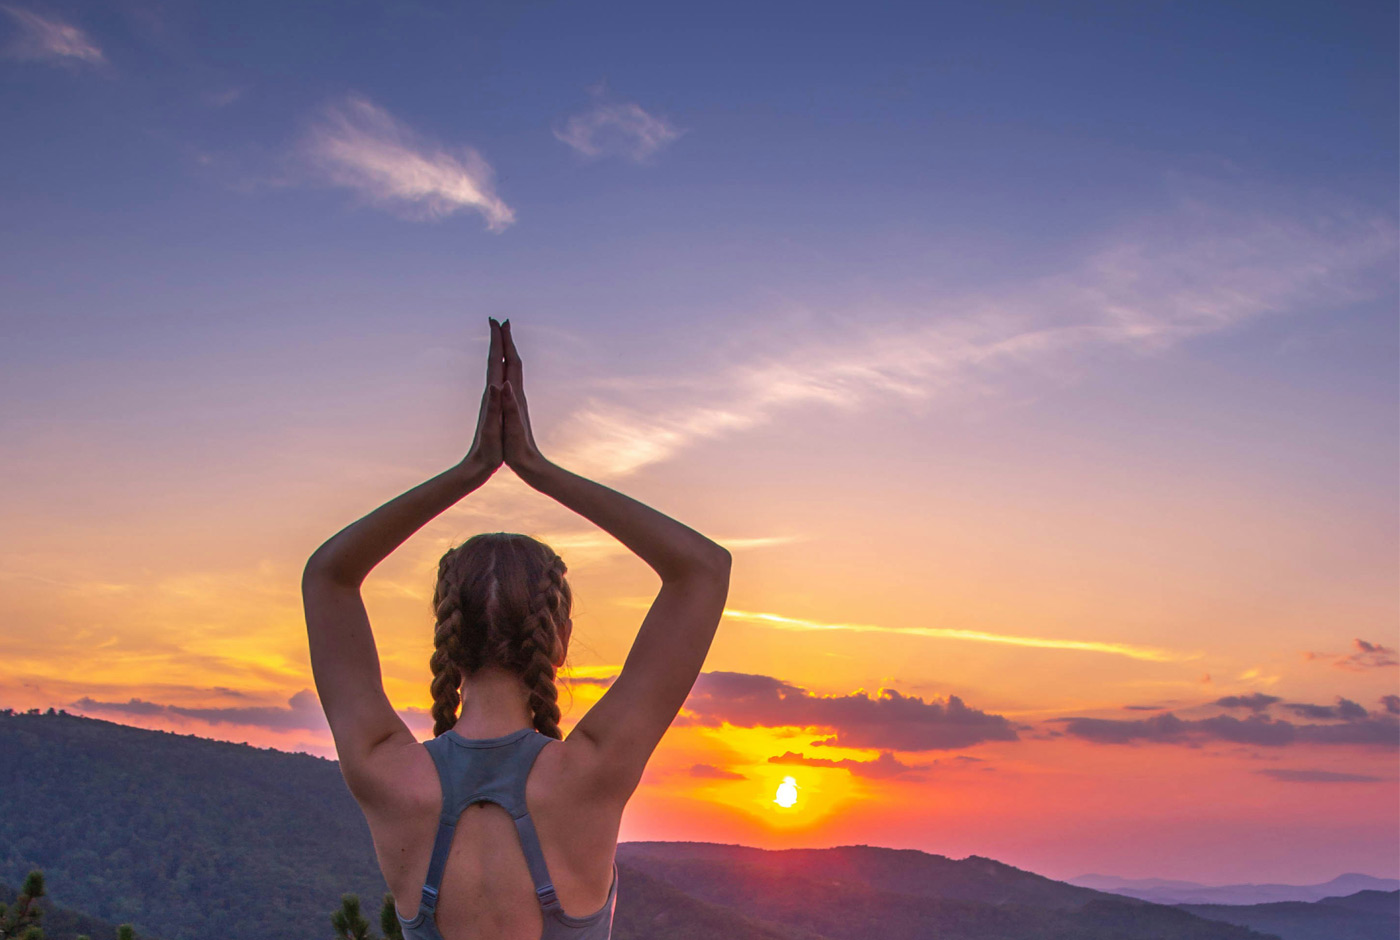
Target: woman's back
(506,838)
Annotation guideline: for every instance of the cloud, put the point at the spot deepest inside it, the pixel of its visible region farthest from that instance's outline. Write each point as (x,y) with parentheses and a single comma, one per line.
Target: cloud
(881,768)
(620,129)
(602,681)
(303,713)
(1255,701)
(777,621)
(358,145)
(1258,729)
(1315,776)
(1199,270)
(710,771)
(1344,709)
(1391,703)
(50,40)
(1369,656)
(886,720)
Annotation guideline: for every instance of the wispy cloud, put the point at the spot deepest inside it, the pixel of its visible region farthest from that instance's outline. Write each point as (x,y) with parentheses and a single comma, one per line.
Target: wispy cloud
(780,622)
(712,772)
(1197,271)
(600,543)
(358,145)
(50,40)
(302,713)
(1373,729)
(1315,776)
(880,768)
(615,128)
(1255,701)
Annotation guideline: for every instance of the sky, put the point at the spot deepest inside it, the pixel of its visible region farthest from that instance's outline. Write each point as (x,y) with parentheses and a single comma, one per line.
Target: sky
(1037,363)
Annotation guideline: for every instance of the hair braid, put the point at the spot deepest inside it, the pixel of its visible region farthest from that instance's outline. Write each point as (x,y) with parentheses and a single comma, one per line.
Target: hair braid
(447,667)
(539,641)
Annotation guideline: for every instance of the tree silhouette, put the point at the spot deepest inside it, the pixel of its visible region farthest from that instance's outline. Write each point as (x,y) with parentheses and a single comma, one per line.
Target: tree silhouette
(389,919)
(20,919)
(350,923)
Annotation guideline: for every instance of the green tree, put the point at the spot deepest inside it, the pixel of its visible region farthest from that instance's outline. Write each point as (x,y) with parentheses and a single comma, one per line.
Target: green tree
(20,919)
(350,923)
(389,919)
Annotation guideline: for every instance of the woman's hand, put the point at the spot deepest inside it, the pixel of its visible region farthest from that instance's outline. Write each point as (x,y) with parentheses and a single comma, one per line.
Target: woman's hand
(521,454)
(487,452)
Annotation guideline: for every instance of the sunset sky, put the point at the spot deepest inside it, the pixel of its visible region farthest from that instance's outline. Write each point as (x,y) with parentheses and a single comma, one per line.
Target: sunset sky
(1037,363)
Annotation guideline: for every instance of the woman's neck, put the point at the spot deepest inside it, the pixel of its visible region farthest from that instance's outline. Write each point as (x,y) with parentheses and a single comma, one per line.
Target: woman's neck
(494,703)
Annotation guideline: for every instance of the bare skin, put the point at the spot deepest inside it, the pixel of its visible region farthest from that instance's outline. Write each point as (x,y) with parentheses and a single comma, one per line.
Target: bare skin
(578,787)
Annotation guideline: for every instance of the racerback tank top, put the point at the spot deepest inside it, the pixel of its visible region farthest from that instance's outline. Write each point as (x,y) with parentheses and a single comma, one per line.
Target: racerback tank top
(494,770)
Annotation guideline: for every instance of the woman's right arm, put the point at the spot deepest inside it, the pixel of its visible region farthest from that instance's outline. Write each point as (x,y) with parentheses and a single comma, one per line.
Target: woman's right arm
(627,723)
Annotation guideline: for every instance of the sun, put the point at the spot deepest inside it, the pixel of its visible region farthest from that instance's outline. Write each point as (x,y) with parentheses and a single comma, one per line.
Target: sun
(787,793)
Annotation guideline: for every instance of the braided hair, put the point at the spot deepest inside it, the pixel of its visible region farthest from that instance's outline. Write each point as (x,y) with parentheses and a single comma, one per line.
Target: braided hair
(501,599)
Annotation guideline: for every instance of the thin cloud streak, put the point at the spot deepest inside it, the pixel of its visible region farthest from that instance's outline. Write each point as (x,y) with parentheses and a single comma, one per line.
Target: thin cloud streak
(51,40)
(358,145)
(621,129)
(1147,653)
(1200,271)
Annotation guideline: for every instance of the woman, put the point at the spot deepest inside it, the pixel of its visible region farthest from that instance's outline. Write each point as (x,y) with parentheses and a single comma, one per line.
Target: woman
(496,829)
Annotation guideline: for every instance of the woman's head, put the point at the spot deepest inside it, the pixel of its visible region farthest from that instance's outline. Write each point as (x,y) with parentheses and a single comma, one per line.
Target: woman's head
(501,600)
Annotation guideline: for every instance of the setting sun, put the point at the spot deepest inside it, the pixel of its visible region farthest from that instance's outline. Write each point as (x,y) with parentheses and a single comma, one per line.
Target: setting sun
(787,793)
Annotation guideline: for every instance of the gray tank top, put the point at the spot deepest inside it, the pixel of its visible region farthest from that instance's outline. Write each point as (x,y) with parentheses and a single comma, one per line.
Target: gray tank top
(494,770)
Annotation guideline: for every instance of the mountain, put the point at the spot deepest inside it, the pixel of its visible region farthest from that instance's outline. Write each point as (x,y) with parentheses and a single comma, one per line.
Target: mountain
(858,892)
(1366,915)
(1162,891)
(180,836)
(188,838)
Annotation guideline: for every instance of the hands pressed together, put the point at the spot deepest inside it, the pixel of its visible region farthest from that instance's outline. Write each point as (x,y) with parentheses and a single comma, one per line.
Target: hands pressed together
(503,433)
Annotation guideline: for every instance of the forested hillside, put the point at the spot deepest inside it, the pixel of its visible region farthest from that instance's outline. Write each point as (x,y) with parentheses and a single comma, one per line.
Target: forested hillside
(188,839)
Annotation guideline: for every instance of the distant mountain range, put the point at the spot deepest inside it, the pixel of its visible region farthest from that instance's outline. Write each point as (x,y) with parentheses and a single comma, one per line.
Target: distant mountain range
(1162,891)
(1366,915)
(188,839)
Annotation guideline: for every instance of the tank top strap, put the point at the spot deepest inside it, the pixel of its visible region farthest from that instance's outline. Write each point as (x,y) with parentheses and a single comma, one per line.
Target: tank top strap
(495,770)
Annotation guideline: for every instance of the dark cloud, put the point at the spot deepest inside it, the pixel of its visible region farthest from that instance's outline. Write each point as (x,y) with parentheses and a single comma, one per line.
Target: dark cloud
(1349,710)
(1255,701)
(882,767)
(715,773)
(1315,776)
(1345,709)
(1143,708)
(1367,656)
(1381,730)
(1311,711)
(303,712)
(133,706)
(886,720)
(1257,729)
(1391,703)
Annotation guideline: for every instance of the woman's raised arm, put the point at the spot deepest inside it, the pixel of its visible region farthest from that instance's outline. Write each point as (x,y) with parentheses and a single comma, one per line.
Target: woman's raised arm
(625,726)
(344,659)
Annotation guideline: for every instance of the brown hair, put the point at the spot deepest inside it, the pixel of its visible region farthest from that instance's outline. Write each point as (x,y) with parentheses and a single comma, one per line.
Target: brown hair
(501,599)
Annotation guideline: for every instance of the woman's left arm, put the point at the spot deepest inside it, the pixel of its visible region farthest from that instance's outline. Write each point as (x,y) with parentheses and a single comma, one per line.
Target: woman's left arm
(344,659)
